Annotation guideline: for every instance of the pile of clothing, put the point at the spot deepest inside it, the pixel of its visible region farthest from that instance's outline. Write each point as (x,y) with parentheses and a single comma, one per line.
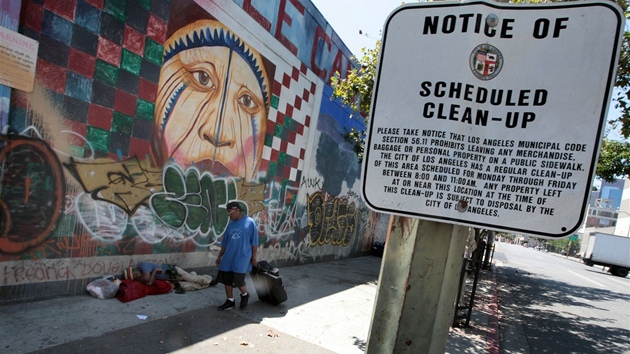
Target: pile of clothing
(135,283)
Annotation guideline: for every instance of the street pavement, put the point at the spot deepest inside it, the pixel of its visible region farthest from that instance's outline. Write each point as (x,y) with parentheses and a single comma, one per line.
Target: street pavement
(329,309)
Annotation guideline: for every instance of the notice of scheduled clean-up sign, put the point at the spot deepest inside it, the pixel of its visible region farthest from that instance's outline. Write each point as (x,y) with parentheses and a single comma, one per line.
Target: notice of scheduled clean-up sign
(490,115)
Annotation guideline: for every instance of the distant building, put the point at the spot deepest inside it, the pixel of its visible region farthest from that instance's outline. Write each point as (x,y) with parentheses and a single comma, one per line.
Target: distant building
(609,211)
(603,204)
(613,191)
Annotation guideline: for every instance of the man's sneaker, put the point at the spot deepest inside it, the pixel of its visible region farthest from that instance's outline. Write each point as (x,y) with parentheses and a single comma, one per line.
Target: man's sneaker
(244,300)
(228,305)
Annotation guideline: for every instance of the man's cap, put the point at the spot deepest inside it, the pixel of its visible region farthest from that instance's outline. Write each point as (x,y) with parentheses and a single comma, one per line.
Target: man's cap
(232,205)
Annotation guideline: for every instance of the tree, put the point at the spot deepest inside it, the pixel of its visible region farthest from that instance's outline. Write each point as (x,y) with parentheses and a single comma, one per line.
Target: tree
(614,160)
(570,247)
(622,82)
(355,91)
(614,156)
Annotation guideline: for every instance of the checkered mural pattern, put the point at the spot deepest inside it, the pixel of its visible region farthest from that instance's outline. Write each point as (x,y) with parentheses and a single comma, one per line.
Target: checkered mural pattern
(289,120)
(100,62)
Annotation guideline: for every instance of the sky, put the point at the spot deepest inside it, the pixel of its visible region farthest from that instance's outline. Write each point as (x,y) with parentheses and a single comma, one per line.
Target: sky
(348,17)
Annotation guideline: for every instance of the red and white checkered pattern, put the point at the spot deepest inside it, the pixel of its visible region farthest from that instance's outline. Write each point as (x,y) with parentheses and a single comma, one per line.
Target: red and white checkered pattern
(295,90)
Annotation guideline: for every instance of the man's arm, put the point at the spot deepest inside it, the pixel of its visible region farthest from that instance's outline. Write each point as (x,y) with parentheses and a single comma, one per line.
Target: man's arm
(148,278)
(254,241)
(220,255)
(254,252)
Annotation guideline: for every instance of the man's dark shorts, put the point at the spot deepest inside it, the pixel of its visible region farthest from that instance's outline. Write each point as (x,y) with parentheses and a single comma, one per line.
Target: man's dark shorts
(236,280)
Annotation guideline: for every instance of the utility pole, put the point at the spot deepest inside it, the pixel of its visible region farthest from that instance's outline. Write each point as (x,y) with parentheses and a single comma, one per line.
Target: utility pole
(418,283)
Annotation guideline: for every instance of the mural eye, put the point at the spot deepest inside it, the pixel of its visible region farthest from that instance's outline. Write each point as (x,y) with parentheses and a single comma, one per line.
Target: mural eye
(247,102)
(203,78)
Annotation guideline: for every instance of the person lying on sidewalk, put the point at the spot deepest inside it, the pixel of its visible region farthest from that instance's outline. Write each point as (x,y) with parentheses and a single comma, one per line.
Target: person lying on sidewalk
(147,272)
(137,284)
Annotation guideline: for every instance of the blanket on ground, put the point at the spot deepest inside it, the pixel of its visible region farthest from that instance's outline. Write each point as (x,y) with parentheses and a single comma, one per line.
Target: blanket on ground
(130,290)
(192,281)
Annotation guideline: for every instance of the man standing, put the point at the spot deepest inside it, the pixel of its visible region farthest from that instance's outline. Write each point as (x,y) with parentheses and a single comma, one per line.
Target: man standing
(238,254)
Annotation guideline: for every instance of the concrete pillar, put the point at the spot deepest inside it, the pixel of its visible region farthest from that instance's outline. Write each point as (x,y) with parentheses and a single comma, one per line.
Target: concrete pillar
(417,289)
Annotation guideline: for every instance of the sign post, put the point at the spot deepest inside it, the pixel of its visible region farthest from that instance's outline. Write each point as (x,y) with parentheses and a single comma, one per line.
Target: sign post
(490,115)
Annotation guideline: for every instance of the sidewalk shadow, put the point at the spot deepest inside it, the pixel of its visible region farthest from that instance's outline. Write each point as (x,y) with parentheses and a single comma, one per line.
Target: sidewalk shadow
(308,283)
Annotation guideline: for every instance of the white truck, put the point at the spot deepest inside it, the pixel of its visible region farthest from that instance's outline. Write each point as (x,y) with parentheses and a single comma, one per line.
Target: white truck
(609,251)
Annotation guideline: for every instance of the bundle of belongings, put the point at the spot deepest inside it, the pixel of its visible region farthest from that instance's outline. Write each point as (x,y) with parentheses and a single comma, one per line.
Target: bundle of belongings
(148,279)
(104,288)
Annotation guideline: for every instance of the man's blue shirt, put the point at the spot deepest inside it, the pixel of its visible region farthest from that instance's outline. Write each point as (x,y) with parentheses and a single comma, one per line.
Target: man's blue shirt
(238,239)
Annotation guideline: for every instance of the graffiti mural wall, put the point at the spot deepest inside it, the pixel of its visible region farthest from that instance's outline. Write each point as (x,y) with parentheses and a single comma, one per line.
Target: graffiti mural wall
(148,117)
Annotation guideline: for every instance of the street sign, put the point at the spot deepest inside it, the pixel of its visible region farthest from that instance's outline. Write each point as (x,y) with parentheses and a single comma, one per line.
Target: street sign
(490,115)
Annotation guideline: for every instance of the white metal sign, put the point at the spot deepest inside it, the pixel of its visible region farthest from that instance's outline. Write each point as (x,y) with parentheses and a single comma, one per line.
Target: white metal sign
(490,115)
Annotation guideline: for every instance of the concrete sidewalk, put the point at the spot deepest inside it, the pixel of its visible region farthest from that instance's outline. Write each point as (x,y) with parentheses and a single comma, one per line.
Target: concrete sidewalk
(329,310)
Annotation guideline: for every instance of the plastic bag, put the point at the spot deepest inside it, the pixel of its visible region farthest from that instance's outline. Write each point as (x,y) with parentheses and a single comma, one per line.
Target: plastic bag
(102,288)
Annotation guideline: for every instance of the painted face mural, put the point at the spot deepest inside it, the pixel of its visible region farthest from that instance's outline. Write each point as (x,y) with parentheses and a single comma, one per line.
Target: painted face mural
(212,104)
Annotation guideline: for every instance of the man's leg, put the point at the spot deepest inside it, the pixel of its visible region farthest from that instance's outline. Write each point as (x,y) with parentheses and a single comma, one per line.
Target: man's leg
(244,296)
(239,282)
(229,292)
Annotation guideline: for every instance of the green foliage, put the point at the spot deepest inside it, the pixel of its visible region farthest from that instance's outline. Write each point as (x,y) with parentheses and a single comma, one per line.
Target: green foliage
(622,82)
(614,160)
(566,245)
(355,91)
(614,156)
